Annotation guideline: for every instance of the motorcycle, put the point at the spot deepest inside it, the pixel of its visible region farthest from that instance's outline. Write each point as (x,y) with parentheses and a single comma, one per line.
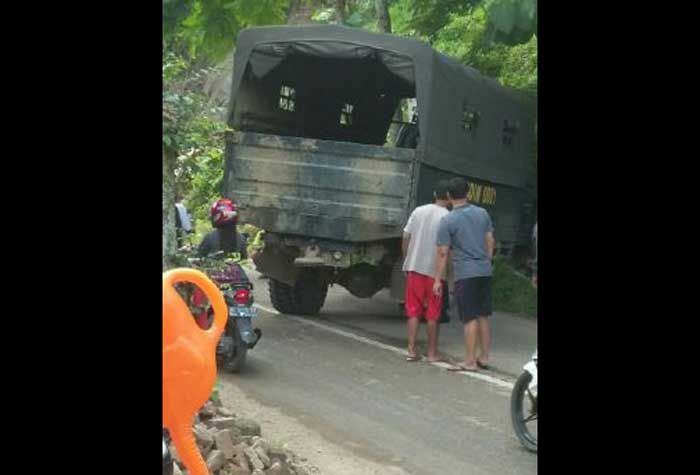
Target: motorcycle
(523,406)
(239,335)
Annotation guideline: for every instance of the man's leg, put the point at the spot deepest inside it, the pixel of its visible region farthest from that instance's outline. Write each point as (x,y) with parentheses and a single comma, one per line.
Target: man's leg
(432,340)
(432,315)
(471,329)
(414,309)
(412,336)
(484,310)
(484,339)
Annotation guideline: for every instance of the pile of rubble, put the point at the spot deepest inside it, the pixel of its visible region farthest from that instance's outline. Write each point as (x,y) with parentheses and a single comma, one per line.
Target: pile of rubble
(232,445)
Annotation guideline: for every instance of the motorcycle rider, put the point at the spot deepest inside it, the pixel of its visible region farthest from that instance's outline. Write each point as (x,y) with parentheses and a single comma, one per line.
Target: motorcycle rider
(224,236)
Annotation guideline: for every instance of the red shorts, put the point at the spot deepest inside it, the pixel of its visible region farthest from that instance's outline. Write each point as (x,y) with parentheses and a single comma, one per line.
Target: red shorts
(420,298)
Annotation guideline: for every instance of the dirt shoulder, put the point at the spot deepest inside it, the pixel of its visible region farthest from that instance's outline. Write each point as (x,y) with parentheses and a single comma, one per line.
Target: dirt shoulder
(283,430)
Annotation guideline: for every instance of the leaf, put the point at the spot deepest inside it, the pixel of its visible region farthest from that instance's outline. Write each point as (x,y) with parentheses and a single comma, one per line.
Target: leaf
(502,15)
(356,19)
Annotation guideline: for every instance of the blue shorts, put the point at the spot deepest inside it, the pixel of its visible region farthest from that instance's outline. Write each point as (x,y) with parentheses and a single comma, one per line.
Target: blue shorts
(473,297)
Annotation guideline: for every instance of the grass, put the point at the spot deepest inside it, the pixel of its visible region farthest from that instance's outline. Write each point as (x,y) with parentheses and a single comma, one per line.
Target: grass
(512,292)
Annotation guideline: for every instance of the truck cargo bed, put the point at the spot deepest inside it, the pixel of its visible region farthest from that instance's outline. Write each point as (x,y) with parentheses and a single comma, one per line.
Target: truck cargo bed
(331,190)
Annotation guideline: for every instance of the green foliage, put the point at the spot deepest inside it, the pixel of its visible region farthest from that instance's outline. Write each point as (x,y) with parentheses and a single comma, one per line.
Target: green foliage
(191,129)
(466,32)
(215,393)
(196,34)
(360,14)
(512,21)
(512,292)
(206,30)
(427,17)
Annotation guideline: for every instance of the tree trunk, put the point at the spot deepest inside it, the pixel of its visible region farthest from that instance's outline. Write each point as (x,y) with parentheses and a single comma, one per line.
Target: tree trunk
(169,238)
(383,18)
(340,11)
(301,11)
(291,11)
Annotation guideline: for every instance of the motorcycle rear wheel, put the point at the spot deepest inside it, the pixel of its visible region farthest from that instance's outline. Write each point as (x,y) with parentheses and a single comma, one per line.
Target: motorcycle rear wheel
(236,361)
(520,398)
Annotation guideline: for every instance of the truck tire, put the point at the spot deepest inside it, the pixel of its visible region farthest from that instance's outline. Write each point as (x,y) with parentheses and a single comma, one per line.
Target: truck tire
(282,296)
(310,294)
(306,297)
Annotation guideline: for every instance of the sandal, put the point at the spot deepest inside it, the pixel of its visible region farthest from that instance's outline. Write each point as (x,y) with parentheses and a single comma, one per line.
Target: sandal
(482,365)
(413,358)
(462,368)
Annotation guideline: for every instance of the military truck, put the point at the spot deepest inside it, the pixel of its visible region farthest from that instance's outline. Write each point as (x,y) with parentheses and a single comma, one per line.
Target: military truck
(308,159)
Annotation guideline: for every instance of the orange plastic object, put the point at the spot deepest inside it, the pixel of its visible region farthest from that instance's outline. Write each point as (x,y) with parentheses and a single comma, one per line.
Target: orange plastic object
(189,362)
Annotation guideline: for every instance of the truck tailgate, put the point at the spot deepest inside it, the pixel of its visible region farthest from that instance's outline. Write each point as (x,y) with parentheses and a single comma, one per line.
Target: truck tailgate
(333,190)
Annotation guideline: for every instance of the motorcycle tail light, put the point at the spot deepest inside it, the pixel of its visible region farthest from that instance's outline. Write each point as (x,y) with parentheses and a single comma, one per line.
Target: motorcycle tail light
(242,296)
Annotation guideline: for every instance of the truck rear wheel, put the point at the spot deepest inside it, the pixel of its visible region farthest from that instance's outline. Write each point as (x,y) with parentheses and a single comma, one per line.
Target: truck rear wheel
(306,297)
(282,296)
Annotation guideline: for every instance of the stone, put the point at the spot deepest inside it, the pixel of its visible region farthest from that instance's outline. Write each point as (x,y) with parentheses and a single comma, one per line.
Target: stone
(223,422)
(262,456)
(277,453)
(258,472)
(222,411)
(176,470)
(223,442)
(254,459)
(300,469)
(215,460)
(262,443)
(246,426)
(203,437)
(277,469)
(236,470)
(239,458)
(208,411)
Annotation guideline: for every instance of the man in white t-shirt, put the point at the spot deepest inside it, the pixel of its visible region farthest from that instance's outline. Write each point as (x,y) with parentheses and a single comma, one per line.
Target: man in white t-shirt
(418,248)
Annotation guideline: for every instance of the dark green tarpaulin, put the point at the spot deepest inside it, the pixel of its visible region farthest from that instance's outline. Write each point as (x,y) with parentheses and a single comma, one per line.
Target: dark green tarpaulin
(469,124)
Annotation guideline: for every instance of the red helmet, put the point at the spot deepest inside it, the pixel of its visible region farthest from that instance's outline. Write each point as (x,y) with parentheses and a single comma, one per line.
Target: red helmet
(224,211)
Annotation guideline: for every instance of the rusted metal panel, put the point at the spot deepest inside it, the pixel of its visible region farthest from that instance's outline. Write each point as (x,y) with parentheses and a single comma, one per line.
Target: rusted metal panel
(329,190)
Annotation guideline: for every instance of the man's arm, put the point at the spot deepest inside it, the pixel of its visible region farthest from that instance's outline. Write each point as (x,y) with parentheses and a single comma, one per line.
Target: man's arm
(444,240)
(404,244)
(490,244)
(441,262)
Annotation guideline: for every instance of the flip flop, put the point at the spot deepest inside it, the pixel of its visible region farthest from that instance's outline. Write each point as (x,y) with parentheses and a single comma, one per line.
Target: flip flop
(461,368)
(482,365)
(413,358)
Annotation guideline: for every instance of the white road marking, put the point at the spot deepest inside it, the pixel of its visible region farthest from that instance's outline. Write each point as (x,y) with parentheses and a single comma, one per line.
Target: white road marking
(268,310)
(378,344)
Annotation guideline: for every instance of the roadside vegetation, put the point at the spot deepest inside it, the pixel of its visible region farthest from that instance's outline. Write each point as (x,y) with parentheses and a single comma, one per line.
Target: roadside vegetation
(512,291)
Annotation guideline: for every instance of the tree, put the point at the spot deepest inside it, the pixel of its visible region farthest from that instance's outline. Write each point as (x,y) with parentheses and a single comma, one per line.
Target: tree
(206,29)
(196,34)
(508,21)
(511,22)
(340,11)
(169,237)
(383,18)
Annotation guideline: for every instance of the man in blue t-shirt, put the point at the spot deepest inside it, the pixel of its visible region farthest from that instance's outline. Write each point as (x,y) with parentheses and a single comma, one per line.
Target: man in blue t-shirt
(468,232)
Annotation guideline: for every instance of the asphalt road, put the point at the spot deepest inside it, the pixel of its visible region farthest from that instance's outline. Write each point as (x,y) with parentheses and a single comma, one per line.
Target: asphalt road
(368,399)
